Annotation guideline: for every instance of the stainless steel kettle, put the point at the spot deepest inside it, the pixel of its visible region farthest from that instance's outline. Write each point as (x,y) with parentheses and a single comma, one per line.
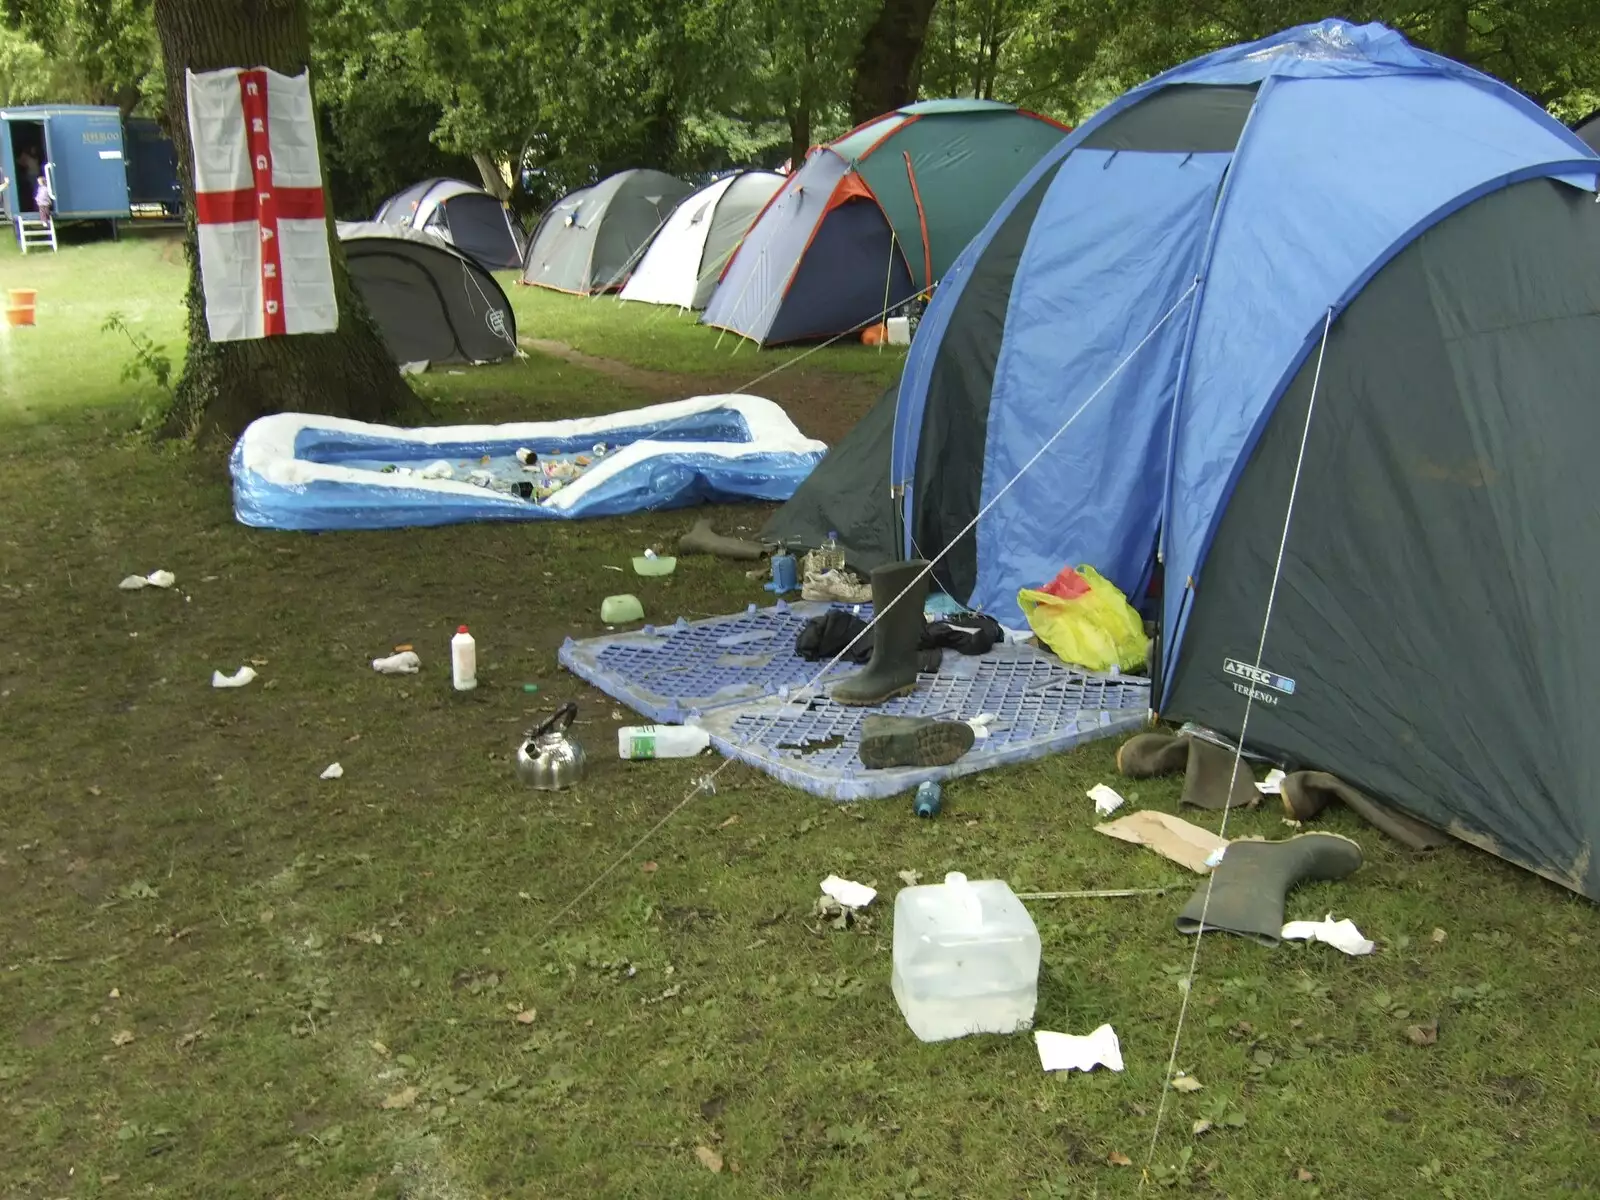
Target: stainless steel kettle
(548,759)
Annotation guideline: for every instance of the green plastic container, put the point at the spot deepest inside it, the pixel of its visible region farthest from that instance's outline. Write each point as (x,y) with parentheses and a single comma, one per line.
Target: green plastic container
(619,610)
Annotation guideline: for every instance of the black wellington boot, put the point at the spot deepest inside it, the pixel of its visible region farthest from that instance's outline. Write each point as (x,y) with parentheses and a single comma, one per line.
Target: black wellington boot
(1150,755)
(1207,782)
(1249,885)
(702,539)
(896,636)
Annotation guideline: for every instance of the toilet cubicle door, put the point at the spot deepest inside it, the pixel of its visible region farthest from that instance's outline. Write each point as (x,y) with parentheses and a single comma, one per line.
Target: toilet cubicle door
(88,176)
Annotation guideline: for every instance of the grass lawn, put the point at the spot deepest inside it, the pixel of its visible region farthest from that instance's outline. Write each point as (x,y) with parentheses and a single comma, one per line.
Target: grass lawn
(223,977)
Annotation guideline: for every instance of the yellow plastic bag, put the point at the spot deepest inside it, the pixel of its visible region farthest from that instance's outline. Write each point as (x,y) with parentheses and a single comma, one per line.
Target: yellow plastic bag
(1086,620)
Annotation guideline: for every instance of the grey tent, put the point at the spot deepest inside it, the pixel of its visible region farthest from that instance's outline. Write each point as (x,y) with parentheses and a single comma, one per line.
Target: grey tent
(463,215)
(1589,130)
(685,261)
(592,238)
(431,302)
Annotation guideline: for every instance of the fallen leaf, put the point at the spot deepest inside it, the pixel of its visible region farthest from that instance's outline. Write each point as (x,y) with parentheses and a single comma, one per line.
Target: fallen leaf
(122,1037)
(1423,1035)
(909,878)
(1200,1126)
(733,820)
(404,1098)
(116,994)
(380,1049)
(709,1159)
(650,868)
(93,791)
(190,1038)
(1186,1083)
(1303,1175)
(1439,935)
(1118,1159)
(527,1016)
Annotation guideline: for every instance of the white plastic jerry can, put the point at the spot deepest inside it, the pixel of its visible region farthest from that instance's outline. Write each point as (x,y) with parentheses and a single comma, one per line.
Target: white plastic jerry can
(463,660)
(966,959)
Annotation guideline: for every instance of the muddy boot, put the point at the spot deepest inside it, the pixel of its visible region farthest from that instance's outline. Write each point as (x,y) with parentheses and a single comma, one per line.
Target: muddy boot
(912,742)
(896,636)
(1206,782)
(1148,755)
(1249,885)
(702,539)
(1307,793)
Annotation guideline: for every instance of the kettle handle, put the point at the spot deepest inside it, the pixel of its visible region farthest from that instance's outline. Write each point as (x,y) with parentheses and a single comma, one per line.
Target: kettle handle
(559,721)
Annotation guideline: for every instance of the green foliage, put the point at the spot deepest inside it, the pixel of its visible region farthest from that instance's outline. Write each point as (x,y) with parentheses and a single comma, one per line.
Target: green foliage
(149,361)
(81,51)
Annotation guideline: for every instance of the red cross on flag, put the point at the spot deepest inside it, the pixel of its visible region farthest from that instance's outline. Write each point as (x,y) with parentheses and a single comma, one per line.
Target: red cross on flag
(261,219)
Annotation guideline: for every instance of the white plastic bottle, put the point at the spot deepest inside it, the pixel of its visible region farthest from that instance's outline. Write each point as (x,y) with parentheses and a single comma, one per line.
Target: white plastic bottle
(661,741)
(463,660)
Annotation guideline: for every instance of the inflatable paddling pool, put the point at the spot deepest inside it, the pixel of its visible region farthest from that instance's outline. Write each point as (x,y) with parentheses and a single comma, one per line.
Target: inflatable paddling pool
(297,471)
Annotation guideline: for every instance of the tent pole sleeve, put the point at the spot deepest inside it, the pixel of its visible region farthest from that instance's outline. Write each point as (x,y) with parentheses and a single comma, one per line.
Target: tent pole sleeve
(922,220)
(1186,354)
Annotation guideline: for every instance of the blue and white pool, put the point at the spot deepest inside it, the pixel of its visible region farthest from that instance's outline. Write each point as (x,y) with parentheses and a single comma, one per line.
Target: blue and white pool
(298,471)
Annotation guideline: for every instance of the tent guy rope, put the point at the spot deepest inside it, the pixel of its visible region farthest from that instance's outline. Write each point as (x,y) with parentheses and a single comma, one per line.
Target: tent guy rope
(707,783)
(1238,753)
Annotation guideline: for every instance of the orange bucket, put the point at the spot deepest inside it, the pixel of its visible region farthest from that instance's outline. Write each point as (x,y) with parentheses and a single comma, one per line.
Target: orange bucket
(20,306)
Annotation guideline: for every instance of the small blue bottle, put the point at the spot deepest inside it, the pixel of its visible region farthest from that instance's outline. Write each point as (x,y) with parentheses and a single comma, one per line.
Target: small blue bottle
(929,797)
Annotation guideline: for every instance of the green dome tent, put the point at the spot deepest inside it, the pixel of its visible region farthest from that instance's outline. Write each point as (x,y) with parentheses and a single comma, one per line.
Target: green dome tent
(876,217)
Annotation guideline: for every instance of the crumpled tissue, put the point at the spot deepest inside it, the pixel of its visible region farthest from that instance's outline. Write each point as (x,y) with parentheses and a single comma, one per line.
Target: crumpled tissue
(160,579)
(1272,785)
(332,771)
(1341,935)
(1067,1052)
(847,892)
(404,663)
(238,679)
(1106,800)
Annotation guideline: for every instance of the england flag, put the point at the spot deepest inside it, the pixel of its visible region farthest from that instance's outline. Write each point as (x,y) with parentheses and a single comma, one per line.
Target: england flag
(259,208)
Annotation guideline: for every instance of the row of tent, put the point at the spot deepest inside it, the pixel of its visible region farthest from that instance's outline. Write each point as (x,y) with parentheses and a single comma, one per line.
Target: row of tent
(869,221)
(1299,345)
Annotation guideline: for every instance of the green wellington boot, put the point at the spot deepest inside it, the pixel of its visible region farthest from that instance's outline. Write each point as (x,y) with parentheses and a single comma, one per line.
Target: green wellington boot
(1249,885)
(912,742)
(1207,782)
(1307,793)
(1149,755)
(703,539)
(896,636)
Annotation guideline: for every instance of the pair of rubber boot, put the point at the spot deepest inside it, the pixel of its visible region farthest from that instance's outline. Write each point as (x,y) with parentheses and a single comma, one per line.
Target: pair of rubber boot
(1214,777)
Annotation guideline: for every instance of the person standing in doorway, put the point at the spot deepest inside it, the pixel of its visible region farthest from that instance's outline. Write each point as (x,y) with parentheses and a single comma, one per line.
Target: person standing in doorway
(42,198)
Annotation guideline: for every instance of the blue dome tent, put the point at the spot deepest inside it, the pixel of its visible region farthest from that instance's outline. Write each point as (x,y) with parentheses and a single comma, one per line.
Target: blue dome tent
(1330,210)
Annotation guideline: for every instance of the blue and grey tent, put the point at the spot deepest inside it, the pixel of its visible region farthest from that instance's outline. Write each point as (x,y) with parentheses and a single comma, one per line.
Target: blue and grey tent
(1589,130)
(1120,370)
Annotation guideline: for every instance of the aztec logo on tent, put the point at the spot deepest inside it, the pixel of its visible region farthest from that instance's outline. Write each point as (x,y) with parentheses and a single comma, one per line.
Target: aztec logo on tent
(260,214)
(1255,675)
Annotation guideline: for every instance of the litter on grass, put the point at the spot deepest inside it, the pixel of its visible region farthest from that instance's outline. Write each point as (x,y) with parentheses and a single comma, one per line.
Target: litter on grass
(404,663)
(1172,837)
(332,771)
(847,892)
(1068,1052)
(238,679)
(1106,800)
(1272,785)
(1341,935)
(158,579)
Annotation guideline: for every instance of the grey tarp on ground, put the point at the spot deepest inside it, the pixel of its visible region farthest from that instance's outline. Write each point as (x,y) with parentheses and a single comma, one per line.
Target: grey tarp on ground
(431,302)
(591,239)
(848,493)
(1440,590)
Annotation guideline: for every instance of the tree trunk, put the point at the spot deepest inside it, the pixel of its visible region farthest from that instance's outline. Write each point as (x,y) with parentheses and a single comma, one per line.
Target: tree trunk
(1454,28)
(494,180)
(886,64)
(226,385)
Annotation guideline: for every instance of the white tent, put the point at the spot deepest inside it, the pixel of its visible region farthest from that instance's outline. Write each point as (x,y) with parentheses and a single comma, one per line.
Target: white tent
(685,261)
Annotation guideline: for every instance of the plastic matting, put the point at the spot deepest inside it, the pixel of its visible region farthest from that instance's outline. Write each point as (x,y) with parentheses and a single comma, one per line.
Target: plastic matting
(1041,707)
(671,673)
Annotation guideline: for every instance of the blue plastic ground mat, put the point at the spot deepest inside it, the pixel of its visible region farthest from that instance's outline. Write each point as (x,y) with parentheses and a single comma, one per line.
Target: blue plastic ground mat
(671,673)
(1041,707)
(739,678)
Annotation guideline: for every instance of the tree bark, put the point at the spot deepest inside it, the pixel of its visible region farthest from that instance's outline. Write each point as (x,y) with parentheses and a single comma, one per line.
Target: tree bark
(494,180)
(226,385)
(886,63)
(1454,28)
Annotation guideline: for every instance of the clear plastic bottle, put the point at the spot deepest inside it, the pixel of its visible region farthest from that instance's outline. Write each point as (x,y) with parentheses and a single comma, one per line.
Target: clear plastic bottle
(966,959)
(832,556)
(661,741)
(463,660)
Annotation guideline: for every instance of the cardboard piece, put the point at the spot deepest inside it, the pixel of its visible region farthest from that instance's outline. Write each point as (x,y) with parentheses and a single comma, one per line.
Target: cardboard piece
(1172,837)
